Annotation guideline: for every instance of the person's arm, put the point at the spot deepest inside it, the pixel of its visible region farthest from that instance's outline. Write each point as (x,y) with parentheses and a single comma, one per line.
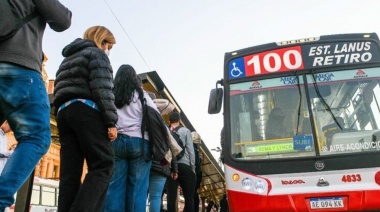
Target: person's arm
(190,149)
(174,168)
(101,83)
(54,13)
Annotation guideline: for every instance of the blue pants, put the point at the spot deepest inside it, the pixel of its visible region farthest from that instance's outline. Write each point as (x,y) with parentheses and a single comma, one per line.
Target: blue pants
(156,186)
(128,188)
(25,104)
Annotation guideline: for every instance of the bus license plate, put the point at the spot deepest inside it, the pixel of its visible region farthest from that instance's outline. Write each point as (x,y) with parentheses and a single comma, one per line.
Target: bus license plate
(332,202)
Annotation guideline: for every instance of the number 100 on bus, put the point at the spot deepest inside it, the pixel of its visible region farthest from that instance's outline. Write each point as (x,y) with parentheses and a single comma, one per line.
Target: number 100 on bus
(279,60)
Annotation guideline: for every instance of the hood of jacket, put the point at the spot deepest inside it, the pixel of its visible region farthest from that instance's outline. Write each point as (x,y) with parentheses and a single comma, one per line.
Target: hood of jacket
(77,45)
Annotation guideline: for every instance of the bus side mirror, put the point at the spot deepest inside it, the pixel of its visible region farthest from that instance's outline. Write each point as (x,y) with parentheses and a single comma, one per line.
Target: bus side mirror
(215,101)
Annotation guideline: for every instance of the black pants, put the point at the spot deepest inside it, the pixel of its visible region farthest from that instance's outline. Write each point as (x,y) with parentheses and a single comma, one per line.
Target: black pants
(196,200)
(187,181)
(83,135)
(197,186)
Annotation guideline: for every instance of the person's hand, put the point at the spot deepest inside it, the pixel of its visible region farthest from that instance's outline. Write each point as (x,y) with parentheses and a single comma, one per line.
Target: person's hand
(174,175)
(112,133)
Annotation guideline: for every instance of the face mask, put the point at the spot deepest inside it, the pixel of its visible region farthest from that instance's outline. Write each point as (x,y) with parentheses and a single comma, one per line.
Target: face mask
(107,51)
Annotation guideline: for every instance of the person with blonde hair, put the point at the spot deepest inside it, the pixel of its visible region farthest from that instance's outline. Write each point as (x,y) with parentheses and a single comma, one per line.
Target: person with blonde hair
(86,120)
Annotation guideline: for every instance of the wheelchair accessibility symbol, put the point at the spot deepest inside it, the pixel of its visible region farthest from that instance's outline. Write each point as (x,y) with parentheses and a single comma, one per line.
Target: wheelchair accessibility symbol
(235,72)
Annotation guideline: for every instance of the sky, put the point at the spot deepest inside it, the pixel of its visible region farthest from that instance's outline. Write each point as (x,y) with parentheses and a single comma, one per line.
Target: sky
(185,41)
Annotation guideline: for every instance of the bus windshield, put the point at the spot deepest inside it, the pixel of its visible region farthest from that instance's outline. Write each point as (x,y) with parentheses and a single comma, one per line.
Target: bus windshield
(306,115)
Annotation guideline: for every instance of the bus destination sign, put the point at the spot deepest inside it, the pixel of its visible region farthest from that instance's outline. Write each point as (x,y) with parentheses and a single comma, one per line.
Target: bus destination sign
(302,57)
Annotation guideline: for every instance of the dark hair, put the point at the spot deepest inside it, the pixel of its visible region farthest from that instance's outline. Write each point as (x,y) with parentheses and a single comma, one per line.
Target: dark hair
(125,83)
(174,117)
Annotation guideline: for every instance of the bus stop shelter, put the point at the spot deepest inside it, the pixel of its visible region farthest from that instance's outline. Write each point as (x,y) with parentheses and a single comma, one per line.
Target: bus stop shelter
(213,182)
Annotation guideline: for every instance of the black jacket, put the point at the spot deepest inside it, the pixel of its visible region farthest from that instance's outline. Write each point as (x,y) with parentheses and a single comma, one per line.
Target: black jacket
(25,47)
(86,73)
(164,170)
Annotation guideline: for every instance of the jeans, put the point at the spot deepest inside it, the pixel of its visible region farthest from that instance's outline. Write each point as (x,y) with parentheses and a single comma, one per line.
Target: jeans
(187,181)
(83,135)
(156,186)
(25,104)
(128,188)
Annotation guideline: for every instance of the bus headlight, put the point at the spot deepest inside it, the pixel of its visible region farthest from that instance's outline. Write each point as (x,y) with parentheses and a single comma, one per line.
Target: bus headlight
(260,186)
(247,183)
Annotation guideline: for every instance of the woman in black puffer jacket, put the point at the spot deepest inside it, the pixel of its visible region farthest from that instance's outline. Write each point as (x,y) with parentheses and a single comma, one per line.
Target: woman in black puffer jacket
(86,118)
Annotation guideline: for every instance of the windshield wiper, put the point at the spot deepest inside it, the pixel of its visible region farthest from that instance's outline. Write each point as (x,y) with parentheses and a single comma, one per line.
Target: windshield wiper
(322,100)
(300,101)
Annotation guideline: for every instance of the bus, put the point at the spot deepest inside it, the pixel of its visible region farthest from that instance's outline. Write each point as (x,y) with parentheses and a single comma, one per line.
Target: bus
(44,195)
(302,124)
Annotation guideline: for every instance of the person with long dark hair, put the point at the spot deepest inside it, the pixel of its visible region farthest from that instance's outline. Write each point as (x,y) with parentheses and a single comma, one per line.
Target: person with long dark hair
(86,120)
(129,185)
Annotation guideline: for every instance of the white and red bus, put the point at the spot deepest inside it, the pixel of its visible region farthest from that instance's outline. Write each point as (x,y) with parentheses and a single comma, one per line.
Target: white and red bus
(302,124)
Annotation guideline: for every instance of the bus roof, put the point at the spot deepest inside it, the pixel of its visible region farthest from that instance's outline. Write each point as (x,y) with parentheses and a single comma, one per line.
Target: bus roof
(328,51)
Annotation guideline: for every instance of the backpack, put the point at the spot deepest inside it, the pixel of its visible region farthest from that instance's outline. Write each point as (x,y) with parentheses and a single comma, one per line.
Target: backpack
(159,139)
(179,141)
(9,23)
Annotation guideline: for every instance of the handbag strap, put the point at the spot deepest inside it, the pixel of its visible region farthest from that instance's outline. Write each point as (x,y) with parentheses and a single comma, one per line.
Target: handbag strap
(143,124)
